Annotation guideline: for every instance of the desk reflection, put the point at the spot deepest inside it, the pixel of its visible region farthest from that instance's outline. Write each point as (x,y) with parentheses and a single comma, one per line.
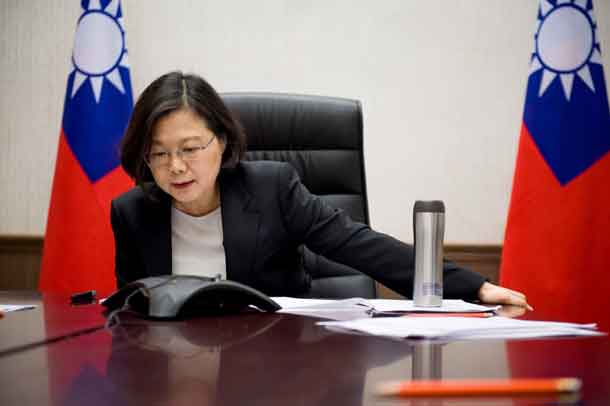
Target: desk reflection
(177,362)
(265,359)
(253,359)
(427,361)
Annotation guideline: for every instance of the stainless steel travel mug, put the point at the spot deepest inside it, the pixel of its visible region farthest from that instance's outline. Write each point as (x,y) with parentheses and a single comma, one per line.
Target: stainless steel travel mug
(428,231)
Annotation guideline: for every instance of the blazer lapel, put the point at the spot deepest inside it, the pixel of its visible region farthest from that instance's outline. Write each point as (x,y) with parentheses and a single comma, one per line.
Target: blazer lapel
(158,233)
(240,219)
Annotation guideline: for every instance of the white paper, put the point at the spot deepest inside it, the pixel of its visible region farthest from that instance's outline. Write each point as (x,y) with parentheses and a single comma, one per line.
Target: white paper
(5,308)
(460,328)
(347,309)
(448,306)
(295,303)
(383,305)
(355,308)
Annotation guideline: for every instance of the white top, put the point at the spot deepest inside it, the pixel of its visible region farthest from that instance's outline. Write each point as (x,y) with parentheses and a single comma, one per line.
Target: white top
(197,244)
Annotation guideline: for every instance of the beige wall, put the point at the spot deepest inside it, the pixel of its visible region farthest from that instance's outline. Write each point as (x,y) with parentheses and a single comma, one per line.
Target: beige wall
(442,85)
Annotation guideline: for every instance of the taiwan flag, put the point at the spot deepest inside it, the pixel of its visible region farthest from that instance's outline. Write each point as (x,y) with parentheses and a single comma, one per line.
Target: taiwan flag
(78,250)
(557,242)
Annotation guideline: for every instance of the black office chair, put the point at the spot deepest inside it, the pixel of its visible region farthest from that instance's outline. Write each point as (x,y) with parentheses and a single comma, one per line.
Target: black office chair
(322,138)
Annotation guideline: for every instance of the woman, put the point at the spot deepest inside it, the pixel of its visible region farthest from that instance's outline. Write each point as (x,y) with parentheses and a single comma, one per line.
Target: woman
(198,209)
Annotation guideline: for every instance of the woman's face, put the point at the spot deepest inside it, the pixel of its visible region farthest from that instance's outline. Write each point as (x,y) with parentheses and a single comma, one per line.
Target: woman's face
(185,159)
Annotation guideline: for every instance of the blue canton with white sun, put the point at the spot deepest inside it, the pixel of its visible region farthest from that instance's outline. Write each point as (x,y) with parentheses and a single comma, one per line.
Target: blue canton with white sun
(98,99)
(566,106)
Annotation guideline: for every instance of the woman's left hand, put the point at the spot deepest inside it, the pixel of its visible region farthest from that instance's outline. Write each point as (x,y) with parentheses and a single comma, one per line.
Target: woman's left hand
(494,294)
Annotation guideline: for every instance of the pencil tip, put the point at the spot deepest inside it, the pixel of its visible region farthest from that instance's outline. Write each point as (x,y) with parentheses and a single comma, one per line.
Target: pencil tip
(388,389)
(569,384)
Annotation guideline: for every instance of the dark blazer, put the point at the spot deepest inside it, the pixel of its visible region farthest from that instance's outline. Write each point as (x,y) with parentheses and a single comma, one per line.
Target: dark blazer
(266,214)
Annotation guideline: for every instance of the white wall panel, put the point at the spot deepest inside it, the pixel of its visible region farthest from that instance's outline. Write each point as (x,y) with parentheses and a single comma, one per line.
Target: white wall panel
(442,84)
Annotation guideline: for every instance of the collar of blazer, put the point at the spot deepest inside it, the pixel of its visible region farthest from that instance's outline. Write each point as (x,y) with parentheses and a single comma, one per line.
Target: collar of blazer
(240,218)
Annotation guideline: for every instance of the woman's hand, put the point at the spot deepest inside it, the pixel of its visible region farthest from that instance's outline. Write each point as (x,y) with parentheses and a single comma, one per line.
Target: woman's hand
(494,294)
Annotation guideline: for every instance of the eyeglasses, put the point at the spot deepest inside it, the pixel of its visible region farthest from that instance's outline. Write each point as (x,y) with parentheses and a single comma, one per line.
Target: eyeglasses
(188,153)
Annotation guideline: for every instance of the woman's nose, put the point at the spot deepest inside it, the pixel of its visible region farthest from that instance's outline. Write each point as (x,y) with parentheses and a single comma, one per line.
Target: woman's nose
(176,163)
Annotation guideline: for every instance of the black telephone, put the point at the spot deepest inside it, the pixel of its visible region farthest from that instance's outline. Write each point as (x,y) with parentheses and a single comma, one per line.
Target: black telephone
(184,296)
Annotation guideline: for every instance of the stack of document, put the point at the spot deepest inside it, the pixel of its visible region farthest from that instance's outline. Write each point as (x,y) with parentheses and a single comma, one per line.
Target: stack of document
(355,308)
(348,309)
(448,306)
(460,328)
(362,316)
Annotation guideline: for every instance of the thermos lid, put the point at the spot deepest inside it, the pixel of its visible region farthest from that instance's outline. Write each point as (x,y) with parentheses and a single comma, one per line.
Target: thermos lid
(429,206)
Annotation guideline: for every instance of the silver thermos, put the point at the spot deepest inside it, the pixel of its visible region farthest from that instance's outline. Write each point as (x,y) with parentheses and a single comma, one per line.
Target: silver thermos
(428,231)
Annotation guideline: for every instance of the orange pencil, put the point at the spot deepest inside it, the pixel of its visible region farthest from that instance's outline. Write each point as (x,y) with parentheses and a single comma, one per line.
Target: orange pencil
(469,314)
(479,387)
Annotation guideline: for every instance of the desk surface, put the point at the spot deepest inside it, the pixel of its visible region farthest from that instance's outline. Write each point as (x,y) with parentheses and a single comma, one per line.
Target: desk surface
(52,319)
(256,359)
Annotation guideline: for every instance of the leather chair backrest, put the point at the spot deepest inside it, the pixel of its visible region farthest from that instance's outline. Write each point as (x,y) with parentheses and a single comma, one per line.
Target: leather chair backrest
(322,138)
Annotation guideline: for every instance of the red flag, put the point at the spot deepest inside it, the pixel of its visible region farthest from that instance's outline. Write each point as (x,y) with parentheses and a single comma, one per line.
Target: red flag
(78,248)
(556,247)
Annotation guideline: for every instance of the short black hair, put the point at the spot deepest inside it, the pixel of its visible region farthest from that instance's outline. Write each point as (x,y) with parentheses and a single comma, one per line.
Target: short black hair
(171,92)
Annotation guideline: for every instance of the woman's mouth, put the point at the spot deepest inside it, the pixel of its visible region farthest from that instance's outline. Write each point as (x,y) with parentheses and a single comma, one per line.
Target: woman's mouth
(182,185)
